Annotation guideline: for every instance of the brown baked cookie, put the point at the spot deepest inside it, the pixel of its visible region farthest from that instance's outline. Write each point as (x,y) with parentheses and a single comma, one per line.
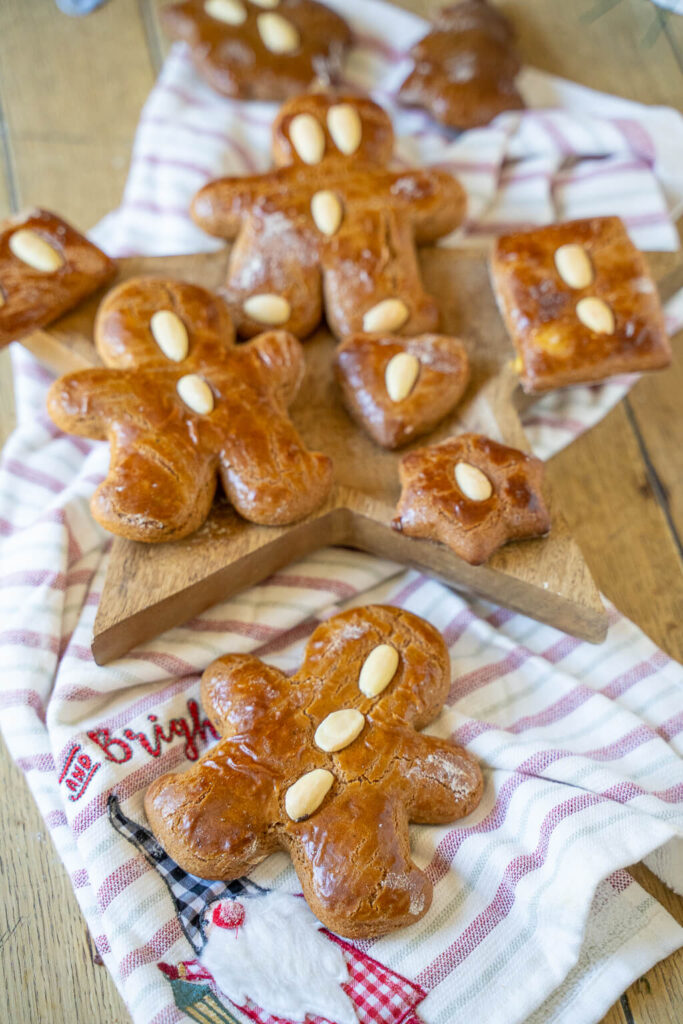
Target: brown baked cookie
(473,495)
(328,766)
(330,226)
(46,267)
(181,404)
(260,49)
(465,68)
(579,303)
(399,388)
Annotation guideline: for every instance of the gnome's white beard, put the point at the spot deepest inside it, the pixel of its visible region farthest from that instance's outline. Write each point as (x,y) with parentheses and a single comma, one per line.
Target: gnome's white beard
(279,960)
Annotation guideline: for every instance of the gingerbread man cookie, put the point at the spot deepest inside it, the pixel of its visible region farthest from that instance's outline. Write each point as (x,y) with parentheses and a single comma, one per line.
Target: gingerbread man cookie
(46,267)
(400,388)
(181,405)
(328,766)
(579,303)
(473,495)
(260,49)
(465,68)
(331,225)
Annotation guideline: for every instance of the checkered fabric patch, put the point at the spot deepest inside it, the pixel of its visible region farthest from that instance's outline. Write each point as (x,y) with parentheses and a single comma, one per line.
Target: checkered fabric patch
(191,895)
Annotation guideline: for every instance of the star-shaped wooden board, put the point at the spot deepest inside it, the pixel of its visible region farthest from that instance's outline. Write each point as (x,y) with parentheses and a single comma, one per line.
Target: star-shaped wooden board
(151,588)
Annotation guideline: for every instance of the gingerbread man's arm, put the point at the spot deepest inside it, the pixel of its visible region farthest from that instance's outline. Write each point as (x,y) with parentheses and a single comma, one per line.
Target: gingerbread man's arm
(213,820)
(83,402)
(442,781)
(434,199)
(220,207)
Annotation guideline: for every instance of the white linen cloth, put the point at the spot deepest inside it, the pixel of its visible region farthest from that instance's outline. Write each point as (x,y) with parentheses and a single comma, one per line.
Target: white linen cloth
(533,917)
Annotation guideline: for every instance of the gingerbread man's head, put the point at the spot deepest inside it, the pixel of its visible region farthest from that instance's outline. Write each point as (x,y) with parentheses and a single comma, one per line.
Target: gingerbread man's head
(182,405)
(327,765)
(318,127)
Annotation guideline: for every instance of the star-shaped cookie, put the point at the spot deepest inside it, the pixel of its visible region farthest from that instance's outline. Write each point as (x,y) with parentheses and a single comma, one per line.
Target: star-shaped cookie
(472,494)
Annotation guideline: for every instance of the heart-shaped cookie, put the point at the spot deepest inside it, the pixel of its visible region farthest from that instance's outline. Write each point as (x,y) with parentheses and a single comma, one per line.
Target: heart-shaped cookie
(399,388)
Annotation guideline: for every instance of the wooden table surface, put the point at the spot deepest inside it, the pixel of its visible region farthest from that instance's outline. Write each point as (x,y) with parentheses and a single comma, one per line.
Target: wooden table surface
(70,96)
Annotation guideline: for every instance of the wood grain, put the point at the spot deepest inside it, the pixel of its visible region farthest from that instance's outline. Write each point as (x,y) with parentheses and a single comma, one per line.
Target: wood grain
(68,143)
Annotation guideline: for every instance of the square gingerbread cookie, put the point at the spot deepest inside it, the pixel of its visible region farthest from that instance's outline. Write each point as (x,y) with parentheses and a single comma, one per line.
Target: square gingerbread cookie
(579,303)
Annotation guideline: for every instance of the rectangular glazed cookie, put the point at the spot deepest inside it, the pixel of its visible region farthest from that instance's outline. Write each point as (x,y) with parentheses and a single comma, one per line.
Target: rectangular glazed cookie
(579,303)
(46,267)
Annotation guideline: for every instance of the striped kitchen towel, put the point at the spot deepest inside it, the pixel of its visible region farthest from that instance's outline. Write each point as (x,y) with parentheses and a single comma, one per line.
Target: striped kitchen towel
(533,917)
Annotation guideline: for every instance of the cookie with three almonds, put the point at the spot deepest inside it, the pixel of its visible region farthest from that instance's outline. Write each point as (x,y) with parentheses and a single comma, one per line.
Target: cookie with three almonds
(472,494)
(260,49)
(579,303)
(183,406)
(465,67)
(399,388)
(46,268)
(331,228)
(327,765)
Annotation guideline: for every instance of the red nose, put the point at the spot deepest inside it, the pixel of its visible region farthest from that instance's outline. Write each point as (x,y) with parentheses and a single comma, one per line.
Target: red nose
(228,914)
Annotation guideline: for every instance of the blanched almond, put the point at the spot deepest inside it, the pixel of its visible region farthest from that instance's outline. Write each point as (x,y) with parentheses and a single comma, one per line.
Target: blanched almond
(270,309)
(400,375)
(170,334)
(196,393)
(339,729)
(269,5)
(574,265)
(388,315)
(232,12)
(379,668)
(33,249)
(327,211)
(474,484)
(278,34)
(307,793)
(345,127)
(596,315)
(308,138)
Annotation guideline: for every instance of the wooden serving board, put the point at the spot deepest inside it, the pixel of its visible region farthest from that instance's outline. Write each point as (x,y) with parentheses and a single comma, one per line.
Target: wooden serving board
(150,588)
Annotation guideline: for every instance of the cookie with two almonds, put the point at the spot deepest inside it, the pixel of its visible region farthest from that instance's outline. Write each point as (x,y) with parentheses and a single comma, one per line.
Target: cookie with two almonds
(331,230)
(260,49)
(579,303)
(329,766)
(46,268)
(182,406)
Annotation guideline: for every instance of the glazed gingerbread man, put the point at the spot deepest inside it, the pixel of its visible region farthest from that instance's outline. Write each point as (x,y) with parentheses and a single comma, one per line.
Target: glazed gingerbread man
(182,405)
(331,227)
(328,766)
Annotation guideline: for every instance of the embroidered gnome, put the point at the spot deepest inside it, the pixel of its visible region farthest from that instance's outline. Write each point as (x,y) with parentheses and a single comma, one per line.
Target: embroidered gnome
(269,949)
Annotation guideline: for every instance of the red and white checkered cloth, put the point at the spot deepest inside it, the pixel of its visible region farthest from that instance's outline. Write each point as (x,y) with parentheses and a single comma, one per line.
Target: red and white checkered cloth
(533,917)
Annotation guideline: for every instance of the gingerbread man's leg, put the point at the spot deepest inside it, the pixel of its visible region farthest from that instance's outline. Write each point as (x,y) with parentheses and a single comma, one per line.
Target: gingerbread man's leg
(372,260)
(274,278)
(268,473)
(367,875)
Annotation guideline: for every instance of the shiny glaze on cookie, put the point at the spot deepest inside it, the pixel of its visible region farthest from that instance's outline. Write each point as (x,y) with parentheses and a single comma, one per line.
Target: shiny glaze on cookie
(31,298)
(352,854)
(540,309)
